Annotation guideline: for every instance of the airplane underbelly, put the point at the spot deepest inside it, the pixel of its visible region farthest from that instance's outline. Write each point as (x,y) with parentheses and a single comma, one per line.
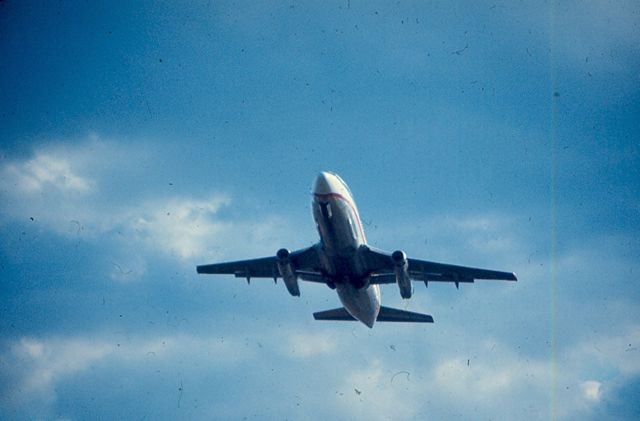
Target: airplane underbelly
(362,303)
(338,227)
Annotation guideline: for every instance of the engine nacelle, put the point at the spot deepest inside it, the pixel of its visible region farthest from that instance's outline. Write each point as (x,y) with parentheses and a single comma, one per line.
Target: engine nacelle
(287,272)
(401,269)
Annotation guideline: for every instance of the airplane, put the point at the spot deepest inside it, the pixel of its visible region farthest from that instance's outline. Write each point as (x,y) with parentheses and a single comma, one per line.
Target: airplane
(344,261)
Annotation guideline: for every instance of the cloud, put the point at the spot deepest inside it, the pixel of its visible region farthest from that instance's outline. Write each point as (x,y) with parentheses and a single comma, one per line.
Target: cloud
(35,366)
(57,187)
(616,350)
(494,381)
(591,390)
(485,381)
(44,171)
(190,229)
(184,228)
(367,393)
(495,240)
(306,345)
(69,190)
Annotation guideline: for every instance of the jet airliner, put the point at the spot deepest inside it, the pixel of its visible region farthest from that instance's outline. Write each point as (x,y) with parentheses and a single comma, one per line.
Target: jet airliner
(344,261)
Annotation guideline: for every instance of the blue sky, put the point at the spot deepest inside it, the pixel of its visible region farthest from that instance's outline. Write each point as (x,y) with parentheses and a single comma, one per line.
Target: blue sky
(138,140)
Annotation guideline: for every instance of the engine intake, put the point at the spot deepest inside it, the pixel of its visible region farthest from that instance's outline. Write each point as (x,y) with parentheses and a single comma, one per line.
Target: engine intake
(399,257)
(401,269)
(287,272)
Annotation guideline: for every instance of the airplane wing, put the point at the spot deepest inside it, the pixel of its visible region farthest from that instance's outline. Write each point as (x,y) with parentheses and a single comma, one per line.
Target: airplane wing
(381,266)
(305,263)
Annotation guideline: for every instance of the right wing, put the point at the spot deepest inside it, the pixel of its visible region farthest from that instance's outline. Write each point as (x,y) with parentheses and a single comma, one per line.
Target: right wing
(305,262)
(379,262)
(442,272)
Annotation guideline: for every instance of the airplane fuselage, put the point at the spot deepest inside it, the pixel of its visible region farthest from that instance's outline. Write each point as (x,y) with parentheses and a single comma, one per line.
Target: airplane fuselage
(341,236)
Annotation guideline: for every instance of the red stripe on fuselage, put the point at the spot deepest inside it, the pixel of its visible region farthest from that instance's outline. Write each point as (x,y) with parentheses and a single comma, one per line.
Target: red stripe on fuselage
(351,205)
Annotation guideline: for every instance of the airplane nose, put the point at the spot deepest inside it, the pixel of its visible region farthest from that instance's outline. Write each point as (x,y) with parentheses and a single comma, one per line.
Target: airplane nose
(322,185)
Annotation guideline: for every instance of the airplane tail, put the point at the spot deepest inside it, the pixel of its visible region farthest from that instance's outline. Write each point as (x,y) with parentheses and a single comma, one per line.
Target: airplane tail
(387,314)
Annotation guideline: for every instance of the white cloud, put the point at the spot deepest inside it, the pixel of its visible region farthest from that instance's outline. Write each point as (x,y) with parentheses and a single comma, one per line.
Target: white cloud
(305,345)
(35,366)
(56,187)
(591,390)
(191,230)
(40,364)
(617,350)
(44,172)
(480,381)
(367,393)
(183,227)
(496,381)
(426,378)
(491,240)
(65,189)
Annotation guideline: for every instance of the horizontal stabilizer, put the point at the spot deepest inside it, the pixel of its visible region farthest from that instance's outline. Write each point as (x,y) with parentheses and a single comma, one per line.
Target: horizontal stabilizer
(335,314)
(386,314)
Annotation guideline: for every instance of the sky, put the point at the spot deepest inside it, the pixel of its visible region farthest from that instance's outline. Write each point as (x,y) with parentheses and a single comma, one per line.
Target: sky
(139,139)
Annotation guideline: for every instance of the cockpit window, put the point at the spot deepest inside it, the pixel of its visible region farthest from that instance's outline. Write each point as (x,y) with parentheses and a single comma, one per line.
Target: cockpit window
(325,209)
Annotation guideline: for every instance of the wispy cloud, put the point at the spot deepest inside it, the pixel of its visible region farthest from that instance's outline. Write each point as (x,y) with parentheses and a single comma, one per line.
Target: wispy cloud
(35,366)
(368,393)
(185,228)
(308,345)
(497,239)
(65,189)
(44,171)
(496,381)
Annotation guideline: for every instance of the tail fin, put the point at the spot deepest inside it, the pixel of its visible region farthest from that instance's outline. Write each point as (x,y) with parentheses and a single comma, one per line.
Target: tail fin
(387,314)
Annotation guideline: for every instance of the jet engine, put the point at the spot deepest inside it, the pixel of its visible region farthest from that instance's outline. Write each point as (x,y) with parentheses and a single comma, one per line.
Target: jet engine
(401,269)
(287,272)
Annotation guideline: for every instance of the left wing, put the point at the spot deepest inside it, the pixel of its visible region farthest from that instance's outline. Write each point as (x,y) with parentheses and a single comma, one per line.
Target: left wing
(381,265)
(305,262)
